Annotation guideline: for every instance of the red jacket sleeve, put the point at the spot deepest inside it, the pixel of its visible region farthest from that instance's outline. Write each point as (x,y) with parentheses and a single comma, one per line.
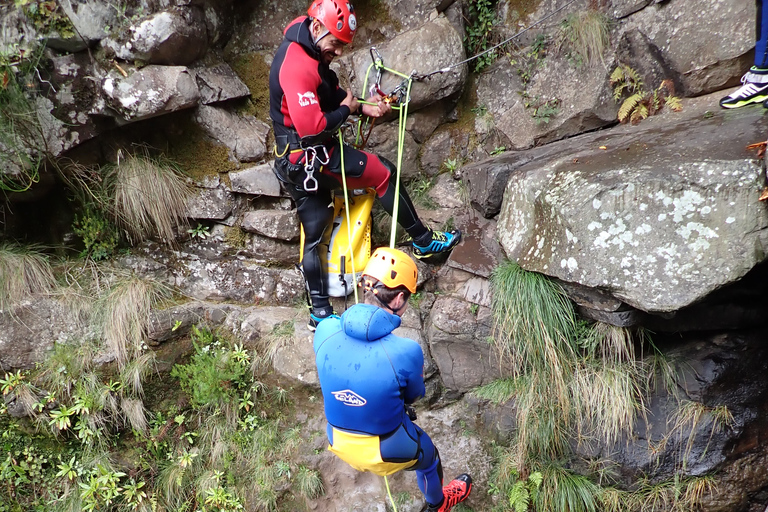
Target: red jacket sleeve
(300,80)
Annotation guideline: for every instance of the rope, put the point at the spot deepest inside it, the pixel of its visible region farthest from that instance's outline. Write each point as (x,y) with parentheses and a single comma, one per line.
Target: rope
(400,147)
(526,29)
(386,482)
(349,220)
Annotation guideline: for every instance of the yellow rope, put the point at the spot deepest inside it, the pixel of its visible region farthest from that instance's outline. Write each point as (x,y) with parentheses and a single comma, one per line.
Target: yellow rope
(349,221)
(386,482)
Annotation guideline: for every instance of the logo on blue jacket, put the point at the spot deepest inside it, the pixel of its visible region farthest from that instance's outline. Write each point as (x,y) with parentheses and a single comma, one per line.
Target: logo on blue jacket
(349,397)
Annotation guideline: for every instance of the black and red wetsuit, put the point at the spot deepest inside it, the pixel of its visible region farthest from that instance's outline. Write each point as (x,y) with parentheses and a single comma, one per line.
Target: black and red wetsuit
(306,111)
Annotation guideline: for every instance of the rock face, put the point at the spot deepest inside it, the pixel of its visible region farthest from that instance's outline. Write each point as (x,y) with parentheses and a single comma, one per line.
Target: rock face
(150,92)
(659,229)
(30,331)
(174,37)
(406,53)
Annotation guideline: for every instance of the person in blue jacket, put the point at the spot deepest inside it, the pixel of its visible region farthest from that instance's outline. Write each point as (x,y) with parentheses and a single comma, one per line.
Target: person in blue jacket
(755,88)
(369,378)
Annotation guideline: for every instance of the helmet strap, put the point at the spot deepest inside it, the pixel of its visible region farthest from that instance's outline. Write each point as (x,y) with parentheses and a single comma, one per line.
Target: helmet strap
(322,35)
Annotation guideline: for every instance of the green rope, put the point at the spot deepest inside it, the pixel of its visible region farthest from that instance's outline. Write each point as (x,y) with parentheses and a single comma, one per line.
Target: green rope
(400,146)
(349,220)
(386,482)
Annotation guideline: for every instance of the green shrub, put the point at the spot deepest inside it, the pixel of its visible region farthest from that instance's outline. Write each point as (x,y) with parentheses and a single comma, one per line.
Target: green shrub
(216,374)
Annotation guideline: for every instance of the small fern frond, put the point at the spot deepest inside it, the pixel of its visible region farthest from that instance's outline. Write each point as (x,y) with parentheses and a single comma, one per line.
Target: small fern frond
(668,86)
(628,106)
(674,103)
(640,113)
(617,75)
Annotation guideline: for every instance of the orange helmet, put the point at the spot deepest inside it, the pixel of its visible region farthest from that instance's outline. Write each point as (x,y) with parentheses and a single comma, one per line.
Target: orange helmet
(393,268)
(338,16)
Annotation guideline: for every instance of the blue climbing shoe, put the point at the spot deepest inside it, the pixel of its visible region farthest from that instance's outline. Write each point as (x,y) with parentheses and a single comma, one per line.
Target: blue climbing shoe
(436,242)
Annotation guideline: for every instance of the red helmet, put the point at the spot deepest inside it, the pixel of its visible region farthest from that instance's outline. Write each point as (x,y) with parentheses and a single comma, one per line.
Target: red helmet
(338,16)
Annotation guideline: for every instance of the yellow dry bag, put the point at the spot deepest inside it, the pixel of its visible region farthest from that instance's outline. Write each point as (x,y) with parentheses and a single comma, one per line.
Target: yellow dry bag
(340,250)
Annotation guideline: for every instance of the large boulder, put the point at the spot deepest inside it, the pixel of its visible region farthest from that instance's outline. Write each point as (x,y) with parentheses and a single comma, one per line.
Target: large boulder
(709,52)
(150,91)
(219,83)
(408,52)
(175,37)
(660,217)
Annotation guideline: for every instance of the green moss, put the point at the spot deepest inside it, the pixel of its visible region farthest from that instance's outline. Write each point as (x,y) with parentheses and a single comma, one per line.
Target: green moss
(254,72)
(197,155)
(47,17)
(373,13)
(236,237)
(520,10)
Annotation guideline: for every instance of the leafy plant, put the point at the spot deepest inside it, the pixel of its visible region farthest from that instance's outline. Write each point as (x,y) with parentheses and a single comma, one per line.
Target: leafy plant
(451,165)
(640,104)
(498,150)
(481,18)
(419,189)
(213,376)
(47,16)
(524,492)
(545,111)
(200,232)
(98,233)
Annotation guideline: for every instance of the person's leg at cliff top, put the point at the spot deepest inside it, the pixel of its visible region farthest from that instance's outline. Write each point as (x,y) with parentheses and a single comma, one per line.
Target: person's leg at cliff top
(755,88)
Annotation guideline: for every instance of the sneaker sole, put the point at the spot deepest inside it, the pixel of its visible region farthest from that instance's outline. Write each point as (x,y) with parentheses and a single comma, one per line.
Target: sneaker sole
(743,103)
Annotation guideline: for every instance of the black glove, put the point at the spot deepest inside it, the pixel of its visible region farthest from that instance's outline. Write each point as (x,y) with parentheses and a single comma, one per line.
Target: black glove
(410,412)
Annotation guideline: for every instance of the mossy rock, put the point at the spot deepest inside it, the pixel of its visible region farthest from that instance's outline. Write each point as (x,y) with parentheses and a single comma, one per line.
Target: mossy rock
(254,72)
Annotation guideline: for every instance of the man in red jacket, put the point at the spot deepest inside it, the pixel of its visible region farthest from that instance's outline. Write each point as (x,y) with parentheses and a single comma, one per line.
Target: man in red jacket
(307,108)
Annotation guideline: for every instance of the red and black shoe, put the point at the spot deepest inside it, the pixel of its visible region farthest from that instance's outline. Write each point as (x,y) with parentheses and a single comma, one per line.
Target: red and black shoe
(454,493)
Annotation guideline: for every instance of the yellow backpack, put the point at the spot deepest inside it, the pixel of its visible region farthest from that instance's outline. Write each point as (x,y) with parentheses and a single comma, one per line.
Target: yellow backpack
(340,250)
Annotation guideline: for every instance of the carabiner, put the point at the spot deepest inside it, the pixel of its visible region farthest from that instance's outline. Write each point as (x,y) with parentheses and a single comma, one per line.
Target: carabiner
(310,179)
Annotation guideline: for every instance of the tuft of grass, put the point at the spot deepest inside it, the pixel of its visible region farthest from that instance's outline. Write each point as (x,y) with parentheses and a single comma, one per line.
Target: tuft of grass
(562,489)
(149,197)
(23,272)
(135,414)
(498,391)
(419,189)
(690,416)
(535,324)
(133,373)
(126,309)
(585,35)
(309,483)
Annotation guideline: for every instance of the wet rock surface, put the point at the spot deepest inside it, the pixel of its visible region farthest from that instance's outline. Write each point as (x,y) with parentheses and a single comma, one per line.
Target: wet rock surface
(659,229)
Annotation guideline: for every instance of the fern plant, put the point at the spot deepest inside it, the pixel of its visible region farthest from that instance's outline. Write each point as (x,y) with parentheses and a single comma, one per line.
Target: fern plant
(524,492)
(640,103)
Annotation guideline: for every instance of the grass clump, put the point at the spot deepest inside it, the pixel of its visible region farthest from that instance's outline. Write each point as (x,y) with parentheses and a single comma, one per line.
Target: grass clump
(584,36)
(23,272)
(575,382)
(149,197)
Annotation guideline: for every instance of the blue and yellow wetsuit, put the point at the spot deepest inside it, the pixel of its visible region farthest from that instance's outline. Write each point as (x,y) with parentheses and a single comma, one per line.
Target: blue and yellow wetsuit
(367,375)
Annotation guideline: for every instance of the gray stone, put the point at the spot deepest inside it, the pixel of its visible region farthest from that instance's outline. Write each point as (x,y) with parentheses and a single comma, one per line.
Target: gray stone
(252,324)
(275,252)
(423,123)
(91,19)
(486,180)
(150,91)
(280,225)
(446,192)
(258,181)
(709,52)
(173,37)
(219,83)
(457,342)
(658,229)
(479,253)
(263,28)
(29,332)
(406,52)
(244,135)
(436,151)
(210,204)
(295,357)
